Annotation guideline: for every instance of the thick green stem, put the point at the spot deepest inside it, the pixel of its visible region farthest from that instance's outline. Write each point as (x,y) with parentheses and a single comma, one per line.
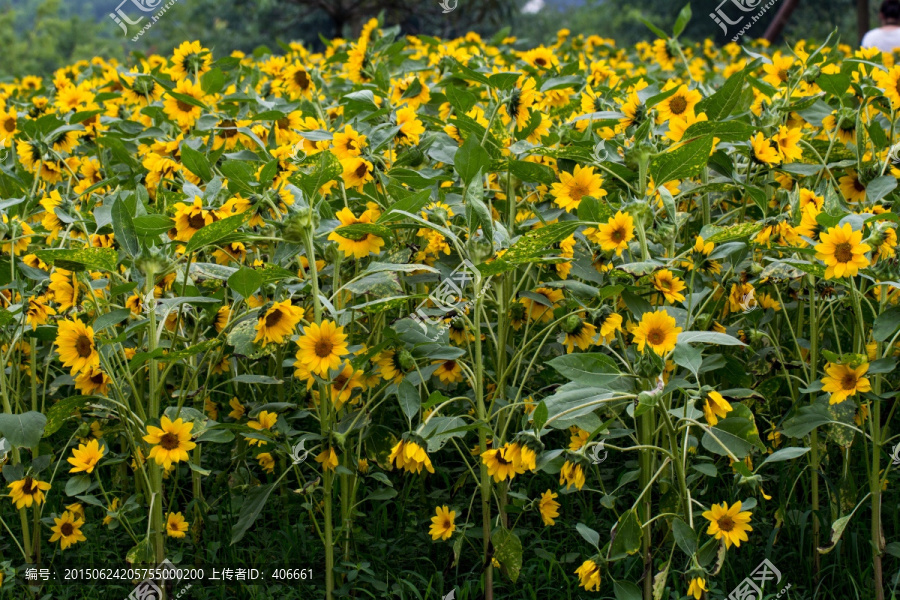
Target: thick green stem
(644,438)
(814,437)
(482,441)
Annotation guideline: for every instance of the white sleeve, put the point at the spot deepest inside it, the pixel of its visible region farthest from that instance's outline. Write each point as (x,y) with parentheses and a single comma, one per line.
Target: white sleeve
(867,40)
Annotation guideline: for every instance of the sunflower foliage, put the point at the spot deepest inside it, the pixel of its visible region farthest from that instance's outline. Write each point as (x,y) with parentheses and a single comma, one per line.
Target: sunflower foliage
(640,301)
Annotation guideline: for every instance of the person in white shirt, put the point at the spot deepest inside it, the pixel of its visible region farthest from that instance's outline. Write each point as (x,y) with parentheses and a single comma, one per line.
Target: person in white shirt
(887,37)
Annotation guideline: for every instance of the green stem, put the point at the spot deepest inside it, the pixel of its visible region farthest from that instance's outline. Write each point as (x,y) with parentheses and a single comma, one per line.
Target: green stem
(482,441)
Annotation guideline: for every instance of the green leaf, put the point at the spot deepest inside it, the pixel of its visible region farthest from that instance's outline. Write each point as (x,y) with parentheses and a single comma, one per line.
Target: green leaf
(785,454)
(656,30)
(726,131)
(625,590)
(471,160)
(722,103)
(123,227)
(533,172)
(708,337)
(214,232)
(539,416)
(24,430)
(477,212)
(241,337)
(410,204)
(626,536)
(685,537)
(78,485)
(593,210)
(361,230)
(508,552)
(737,432)
(685,161)
(60,412)
(735,232)
(187,99)
(328,168)
(590,536)
(254,501)
(111,318)
(241,176)
(531,246)
(245,281)
(212,82)
(142,554)
(151,225)
(835,84)
(688,357)
(837,530)
(807,419)
(684,17)
(880,187)
(196,162)
(409,398)
(588,368)
(102,259)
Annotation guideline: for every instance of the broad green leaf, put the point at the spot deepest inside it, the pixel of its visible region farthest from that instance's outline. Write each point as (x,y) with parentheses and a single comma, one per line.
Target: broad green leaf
(508,552)
(61,411)
(626,536)
(588,368)
(245,281)
(196,162)
(532,245)
(254,501)
(471,160)
(214,232)
(807,419)
(102,259)
(785,454)
(685,537)
(685,161)
(590,536)
(123,227)
(409,398)
(24,430)
(722,103)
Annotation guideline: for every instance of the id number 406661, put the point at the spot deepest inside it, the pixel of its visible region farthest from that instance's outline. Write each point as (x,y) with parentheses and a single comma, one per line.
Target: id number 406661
(292,574)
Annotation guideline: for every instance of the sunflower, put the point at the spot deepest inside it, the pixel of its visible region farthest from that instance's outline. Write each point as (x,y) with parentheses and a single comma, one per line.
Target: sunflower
(170,441)
(501,463)
(189,219)
(358,246)
(542,311)
(573,187)
(448,371)
(86,456)
(345,381)
(266,461)
(8,127)
(714,407)
(75,344)
(184,113)
(297,82)
(729,524)
(571,474)
(237,409)
(321,347)
(347,144)
(788,140)
(328,459)
(458,332)
(410,127)
(578,437)
(67,530)
(356,172)
(410,456)
(889,81)
(578,333)
(657,330)
(668,285)
(614,234)
(843,381)
(548,507)
(540,58)
(27,491)
(766,150)
(190,60)
(679,105)
(852,188)
(93,381)
(843,252)
(278,323)
(176,525)
(697,587)
(443,524)
(518,107)
(20,232)
(589,576)
(38,312)
(264,421)
(843,127)
(610,326)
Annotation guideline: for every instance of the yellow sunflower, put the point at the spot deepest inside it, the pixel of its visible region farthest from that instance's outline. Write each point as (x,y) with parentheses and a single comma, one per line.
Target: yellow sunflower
(27,491)
(321,347)
(358,246)
(668,285)
(589,576)
(171,441)
(843,381)
(86,456)
(176,525)
(278,323)
(548,507)
(729,524)
(67,530)
(572,187)
(679,105)
(410,456)
(443,524)
(715,407)
(75,344)
(843,252)
(614,235)
(658,331)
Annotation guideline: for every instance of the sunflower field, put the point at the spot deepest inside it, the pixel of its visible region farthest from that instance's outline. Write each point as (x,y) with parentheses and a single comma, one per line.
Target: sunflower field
(423,318)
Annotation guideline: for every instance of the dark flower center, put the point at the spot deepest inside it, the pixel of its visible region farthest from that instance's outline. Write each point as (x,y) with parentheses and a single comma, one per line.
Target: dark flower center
(843,252)
(184,106)
(28,488)
(66,529)
(726,524)
(678,105)
(196,221)
(83,346)
(273,318)
(169,441)
(656,337)
(323,348)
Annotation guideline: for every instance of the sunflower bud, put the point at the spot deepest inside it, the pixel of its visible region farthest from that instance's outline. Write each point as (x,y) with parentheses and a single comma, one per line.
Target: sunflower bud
(480,248)
(407,362)
(572,323)
(295,227)
(83,430)
(153,262)
(812,73)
